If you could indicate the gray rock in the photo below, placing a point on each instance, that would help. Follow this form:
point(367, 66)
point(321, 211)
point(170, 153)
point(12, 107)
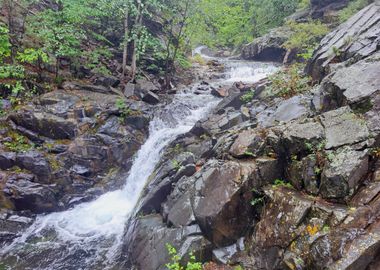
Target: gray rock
point(130, 90)
point(147, 238)
point(223, 193)
point(36, 163)
point(287, 110)
point(279, 221)
point(107, 81)
point(299, 135)
point(356, 39)
point(151, 98)
point(358, 81)
point(320, 9)
point(268, 47)
point(12, 226)
point(343, 172)
point(7, 160)
point(248, 143)
point(46, 124)
point(343, 127)
point(27, 195)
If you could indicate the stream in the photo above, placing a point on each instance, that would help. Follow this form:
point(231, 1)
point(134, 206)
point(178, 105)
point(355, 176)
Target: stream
point(90, 235)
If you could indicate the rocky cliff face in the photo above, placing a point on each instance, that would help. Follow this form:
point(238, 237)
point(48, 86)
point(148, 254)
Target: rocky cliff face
point(275, 183)
point(270, 47)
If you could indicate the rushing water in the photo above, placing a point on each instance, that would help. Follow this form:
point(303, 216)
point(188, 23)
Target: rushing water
point(90, 235)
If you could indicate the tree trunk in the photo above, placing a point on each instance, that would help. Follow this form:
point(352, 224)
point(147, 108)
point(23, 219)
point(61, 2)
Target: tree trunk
point(170, 69)
point(125, 49)
point(10, 9)
point(138, 23)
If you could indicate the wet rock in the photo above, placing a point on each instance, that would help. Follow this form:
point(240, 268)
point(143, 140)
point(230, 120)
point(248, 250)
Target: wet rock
point(148, 239)
point(298, 136)
point(357, 82)
point(281, 218)
point(46, 124)
point(139, 122)
point(130, 90)
point(361, 252)
point(162, 180)
point(221, 203)
point(12, 225)
point(181, 212)
point(248, 143)
point(36, 163)
point(27, 195)
point(268, 47)
point(356, 39)
point(107, 81)
point(343, 127)
point(219, 122)
point(287, 110)
point(225, 255)
point(144, 86)
point(7, 160)
point(151, 98)
point(343, 172)
point(220, 92)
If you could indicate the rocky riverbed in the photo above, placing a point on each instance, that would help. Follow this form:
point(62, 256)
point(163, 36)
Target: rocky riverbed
point(277, 183)
point(272, 183)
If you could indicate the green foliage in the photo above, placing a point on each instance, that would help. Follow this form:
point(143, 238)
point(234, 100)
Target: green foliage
point(248, 97)
point(59, 36)
point(231, 23)
point(32, 56)
point(5, 45)
point(183, 61)
point(95, 60)
point(304, 4)
point(11, 72)
point(305, 35)
point(176, 164)
point(123, 109)
point(281, 183)
point(352, 8)
point(257, 201)
point(175, 261)
point(18, 143)
point(289, 81)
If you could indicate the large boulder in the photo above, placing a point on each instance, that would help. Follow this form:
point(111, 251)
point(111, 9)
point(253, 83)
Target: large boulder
point(25, 194)
point(354, 40)
point(46, 124)
point(36, 163)
point(343, 172)
point(356, 85)
point(268, 47)
point(12, 226)
point(147, 238)
point(222, 200)
point(343, 127)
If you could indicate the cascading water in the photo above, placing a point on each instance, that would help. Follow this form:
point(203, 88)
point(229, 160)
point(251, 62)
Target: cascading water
point(90, 235)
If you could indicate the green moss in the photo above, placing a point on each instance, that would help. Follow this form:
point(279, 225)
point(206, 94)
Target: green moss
point(18, 143)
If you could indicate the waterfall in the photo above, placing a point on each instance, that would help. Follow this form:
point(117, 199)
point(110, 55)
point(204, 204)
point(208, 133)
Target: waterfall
point(89, 236)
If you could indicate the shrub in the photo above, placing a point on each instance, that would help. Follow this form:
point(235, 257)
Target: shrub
point(248, 97)
point(123, 109)
point(352, 9)
point(175, 261)
point(289, 82)
point(305, 36)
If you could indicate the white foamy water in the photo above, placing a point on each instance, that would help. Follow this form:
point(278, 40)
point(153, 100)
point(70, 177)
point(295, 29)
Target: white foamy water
point(248, 72)
point(90, 235)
